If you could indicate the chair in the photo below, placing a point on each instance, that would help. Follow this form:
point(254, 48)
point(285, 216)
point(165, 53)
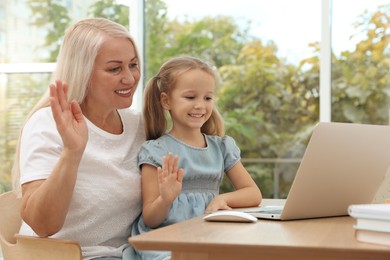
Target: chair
point(15, 246)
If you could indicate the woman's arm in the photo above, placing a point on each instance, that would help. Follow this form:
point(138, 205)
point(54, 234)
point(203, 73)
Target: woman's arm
point(160, 187)
point(45, 203)
point(246, 193)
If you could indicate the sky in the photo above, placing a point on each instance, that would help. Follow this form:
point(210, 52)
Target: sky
point(292, 25)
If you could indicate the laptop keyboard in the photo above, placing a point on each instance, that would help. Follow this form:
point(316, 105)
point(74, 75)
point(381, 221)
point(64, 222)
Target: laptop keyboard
point(271, 211)
point(267, 209)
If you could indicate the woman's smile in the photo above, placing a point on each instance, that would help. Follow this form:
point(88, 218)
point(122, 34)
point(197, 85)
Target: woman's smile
point(124, 92)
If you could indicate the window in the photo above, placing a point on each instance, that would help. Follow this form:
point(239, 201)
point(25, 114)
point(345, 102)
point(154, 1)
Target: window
point(360, 65)
point(268, 57)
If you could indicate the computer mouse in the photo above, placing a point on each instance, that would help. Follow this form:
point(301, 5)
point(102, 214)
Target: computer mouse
point(230, 216)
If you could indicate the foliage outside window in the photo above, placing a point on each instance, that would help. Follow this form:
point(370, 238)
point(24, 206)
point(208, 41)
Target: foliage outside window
point(270, 106)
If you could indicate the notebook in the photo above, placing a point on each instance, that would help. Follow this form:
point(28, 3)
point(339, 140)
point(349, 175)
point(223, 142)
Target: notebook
point(344, 164)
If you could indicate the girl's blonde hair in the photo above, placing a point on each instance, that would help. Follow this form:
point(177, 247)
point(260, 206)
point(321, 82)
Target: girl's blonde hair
point(75, 62)
point(155, 117)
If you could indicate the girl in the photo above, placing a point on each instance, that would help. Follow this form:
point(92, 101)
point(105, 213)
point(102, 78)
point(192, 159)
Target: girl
point(182, 168)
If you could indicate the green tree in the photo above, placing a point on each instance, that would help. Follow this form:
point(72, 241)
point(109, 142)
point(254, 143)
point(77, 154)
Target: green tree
point(26, 90)
point(266, 103)
point(361, 78)
point(276, 102)
point(54, 18)
point(156, 36)
point(217, 39)
point(111, 10)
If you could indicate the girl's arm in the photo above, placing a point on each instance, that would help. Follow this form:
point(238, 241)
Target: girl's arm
point(45, 203)
point(160, 187)
point(246, 193)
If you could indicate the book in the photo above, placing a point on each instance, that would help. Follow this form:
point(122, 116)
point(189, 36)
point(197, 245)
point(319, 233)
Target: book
point(373, 237)
point(373, 224)
point(370, 211)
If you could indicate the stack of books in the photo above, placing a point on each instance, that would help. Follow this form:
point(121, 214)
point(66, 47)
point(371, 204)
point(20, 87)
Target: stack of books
point(372, 223)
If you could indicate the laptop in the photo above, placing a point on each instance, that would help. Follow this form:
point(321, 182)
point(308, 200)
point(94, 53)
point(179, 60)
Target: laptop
point(343, 164)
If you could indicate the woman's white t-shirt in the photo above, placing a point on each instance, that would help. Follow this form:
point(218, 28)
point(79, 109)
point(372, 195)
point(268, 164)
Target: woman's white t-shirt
point(107, 196)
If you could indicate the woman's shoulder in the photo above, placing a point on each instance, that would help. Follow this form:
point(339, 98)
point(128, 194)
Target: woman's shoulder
point(41, 115)
point(42, 112)
point(41, 122)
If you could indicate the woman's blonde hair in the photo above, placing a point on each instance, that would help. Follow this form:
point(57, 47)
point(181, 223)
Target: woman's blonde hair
point(155, 117)
point(75, 63)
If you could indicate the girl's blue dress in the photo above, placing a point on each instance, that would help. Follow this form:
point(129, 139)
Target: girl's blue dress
point(204, 169)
